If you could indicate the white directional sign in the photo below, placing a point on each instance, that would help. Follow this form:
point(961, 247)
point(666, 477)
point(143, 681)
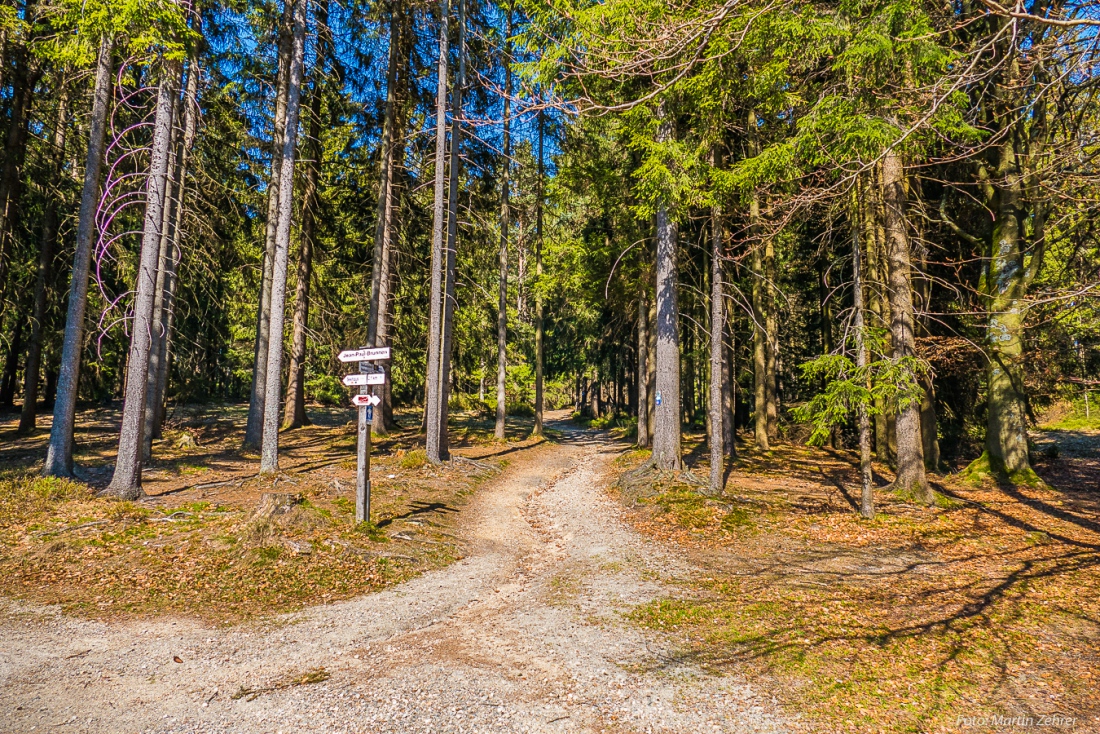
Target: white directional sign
point(368, 400)
point(374, 378)
point(364, 355)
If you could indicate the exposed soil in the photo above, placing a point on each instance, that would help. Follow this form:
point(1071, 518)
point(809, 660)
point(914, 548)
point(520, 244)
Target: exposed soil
point(528, 632)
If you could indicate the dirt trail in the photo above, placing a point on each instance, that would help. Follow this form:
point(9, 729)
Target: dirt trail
point(523, 635)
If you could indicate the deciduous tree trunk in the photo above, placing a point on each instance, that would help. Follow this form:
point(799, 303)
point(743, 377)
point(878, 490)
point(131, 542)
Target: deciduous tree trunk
point(433, 410)
point(126, 481)
point(50, 220)
point(269, 456)
point(59, 456)
point(910, 449)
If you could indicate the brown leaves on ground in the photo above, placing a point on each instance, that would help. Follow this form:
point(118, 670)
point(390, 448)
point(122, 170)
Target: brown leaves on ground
point(193, 547)
point(986, 604)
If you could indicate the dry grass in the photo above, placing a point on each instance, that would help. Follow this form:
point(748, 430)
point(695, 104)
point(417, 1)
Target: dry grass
point(986, 604)
point(193, 548)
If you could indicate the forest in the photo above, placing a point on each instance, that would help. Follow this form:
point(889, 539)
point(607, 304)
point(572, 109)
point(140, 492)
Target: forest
point(722, 232)
point(866, 223)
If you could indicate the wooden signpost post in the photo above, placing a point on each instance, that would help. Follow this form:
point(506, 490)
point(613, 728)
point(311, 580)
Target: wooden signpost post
point(370, 374)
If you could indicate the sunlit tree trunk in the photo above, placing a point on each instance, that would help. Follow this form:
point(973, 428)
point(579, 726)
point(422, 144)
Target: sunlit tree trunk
point(910, 449)
point(666, 423)
point(540, 336)
point(717, 349)
point(294, 413)
point(190, 118)
point(449, 302)
point(253, 432)
point(164, 258)
point(126, 481)
point(867, 502)
point(433, 409)
point(269, 456)
point(505, 221)
point(50, 221)
point(59, 456)
point(1006, 284)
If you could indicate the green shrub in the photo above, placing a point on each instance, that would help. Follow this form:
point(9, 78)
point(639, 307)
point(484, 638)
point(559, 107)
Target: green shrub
point(327, 390)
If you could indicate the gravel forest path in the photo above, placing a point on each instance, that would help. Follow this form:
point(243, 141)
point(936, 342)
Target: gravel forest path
point(525, 634)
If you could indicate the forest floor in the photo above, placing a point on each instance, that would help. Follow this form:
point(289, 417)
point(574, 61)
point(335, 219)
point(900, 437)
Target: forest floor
point(516, 594)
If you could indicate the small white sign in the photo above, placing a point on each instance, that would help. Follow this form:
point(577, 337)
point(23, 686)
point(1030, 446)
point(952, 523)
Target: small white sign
point(367, 400)
point(375, 378)
point(363, 355)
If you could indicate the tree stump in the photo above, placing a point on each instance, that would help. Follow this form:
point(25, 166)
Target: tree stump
point(275, 503)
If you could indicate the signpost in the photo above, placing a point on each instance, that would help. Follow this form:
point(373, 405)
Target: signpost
point(369, 375)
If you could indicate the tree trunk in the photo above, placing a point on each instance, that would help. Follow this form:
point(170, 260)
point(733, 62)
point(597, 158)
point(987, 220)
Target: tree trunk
point(643, 372)
point(867, 503)
point(910, 450)
point(11, 365)
point(126, 481)
point(164, 258)
point(717, 324)
point(294, 414)
point(1005, 289)
point(505, 221)
point(383, 211)
point(771, 328)
point(666, 428)
point(269, 456)
point(729, 390)
point(253, 432)
point(190, 116)
point(873, 285)
point(24, 80)
point(759, 332)
point(651, 370)
point(433, 410)
point(540, 336)
point(449, 303)
point(59, 457)
point(50, 221)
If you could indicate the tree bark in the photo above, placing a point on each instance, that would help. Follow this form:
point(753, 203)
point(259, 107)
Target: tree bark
point(253, 432)
point(867, 502)
point(1006, 284)
point(190, 119)
point(666, 419)
point(759, 333)
point(59, 456)
point(717, 324)
point(294, 414)
point(505, 221)
point(164, 258)
point(378, 325)
point(643, 371)
point(24, 80)
point(126, 481)
point(50, 222)
point(433, 410)
point(449, 302)
point(910, 450)
point(269, 455)
point(729, 390)
point(540, 336)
